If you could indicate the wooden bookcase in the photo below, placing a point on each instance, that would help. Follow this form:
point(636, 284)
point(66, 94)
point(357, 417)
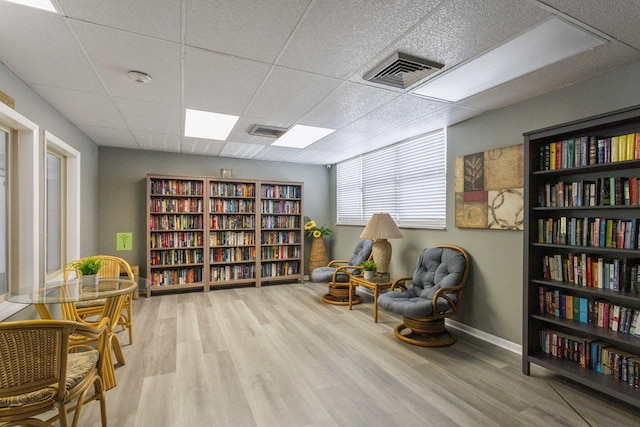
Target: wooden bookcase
point(281, 235)
point(175, 232)
point(232, 232)
point(575, 282)
point(208, 232)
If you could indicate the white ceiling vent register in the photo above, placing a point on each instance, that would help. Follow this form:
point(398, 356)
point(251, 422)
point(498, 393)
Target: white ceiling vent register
point(267, 131)
point(402, 70)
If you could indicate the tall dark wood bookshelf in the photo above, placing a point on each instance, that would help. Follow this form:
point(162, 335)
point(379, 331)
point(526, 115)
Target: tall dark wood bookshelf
point(209, 232)
point(566, 262)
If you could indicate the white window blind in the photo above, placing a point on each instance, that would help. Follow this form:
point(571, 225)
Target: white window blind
point(406, 180)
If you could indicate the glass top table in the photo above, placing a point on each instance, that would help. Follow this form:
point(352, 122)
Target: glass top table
point(74, 291)
point(113, 291)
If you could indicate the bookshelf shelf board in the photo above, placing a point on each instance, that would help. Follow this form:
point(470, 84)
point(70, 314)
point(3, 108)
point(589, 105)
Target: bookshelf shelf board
point(618, 389)
point(594, 249)
point(614, 296)
point(612, 337)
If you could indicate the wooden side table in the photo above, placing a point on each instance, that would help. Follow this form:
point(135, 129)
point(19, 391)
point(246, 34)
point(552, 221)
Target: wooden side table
point(377, 284)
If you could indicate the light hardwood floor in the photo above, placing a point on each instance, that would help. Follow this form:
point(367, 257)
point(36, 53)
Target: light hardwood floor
point(279, 356)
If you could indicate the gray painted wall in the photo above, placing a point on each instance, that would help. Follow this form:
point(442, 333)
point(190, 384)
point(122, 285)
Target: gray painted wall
point(33, 107)
point(122, 187)
point(493, 302)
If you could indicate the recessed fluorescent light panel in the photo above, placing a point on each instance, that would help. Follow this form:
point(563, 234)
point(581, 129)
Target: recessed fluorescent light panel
point(547, 43)
point(301, 136)
point(39, 4)
point(207, 125)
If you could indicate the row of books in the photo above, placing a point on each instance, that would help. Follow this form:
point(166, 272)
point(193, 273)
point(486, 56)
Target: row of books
point(618, 275)
point(280, 237)
point(177, 256)
point(281, 191)
point(608, 191)
point(593, 354)
point(595, 232)
point(588, 150)
point(218, 222)
point(232, 206)
point(276, 269)
point(232, 238)
point(177, 239)
point(173, 187)
point(232, 189)
point(176, 276)
point(175, 222)
point(233, 272)
point(282, 206)
point(270, 221)
point(164, 205)
point(596, 312)
point(280, 252)
point(238, 254)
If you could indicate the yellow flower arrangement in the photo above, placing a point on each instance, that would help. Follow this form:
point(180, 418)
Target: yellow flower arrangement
point(311, 229)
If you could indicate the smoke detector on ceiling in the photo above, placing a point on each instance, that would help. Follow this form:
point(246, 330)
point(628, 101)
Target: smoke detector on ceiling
point(267, 131)
point(139, 77)
point(402, 70)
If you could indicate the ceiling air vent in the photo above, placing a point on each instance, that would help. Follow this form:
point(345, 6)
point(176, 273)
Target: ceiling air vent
point(402, 70)
point(267, 131)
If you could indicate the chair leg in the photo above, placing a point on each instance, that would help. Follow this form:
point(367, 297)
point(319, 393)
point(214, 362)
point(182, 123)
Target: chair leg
point(424, 332)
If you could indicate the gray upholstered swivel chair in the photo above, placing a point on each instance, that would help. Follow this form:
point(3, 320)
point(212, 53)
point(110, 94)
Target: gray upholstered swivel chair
point(338, 273)
point(435, 294)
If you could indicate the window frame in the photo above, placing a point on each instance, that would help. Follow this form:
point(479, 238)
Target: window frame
point(25, 167)
point(361, 180)
point(70, 245)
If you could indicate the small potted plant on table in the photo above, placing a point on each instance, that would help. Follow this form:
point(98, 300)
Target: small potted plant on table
point(369, 268)
point(89, 268)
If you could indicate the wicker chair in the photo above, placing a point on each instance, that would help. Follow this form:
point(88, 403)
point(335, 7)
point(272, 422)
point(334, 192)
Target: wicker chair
point(111, 267)
point(38, 374)
point(436, 292)
point(337, 274)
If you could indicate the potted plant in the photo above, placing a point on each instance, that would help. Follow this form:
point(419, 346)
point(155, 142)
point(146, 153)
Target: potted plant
point(88, 268)
point(369, 268)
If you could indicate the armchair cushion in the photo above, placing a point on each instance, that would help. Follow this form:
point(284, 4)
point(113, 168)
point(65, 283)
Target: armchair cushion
point(436, 268)
point(360, 254)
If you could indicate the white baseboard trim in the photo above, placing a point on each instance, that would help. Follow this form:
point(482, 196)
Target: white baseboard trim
point(492, 339)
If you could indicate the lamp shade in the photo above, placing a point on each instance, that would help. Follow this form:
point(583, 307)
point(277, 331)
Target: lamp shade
point(381, 226)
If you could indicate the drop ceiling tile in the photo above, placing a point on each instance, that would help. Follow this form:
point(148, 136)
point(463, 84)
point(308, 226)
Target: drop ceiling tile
point(275, 154)
point(160, 18)
point(403, 109)
point(613, 17)
point(157, 142)
point(59, 64)
point(150, 117)
point(201, 146)
point(345, 105)
point(256, 30)
point(110, 137)
point(336, 37)
point(220, 83)
point(240, 150)
point(339, 141)
point(83, 108)
point(287, 94)
point(114, 53)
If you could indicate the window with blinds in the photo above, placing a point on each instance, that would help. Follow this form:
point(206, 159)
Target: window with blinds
point(406, 180)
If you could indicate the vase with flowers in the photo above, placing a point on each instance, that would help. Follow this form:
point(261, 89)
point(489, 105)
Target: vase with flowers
point(318, 255)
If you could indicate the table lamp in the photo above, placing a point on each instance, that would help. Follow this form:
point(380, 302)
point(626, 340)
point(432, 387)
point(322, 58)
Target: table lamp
point(380, 228)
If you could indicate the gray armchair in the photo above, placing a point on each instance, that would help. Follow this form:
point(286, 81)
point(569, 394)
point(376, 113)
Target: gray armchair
point(435, 294)
point(338, 273)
